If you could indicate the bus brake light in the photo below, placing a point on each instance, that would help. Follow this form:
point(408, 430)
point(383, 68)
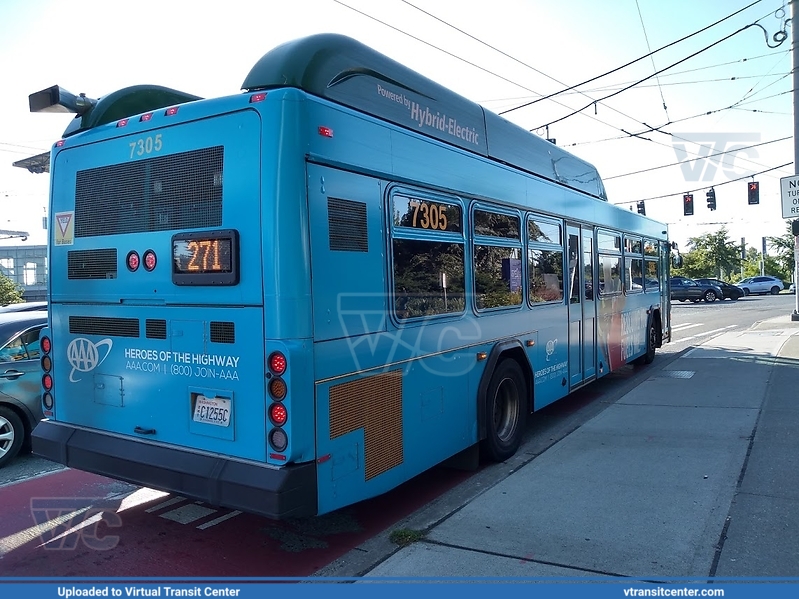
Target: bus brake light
point(277, 413)
point(45, 345)
point(277, 363)
point(47, 382)
point(133, 261)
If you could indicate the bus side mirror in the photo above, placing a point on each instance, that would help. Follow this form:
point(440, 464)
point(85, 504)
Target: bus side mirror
point(676, 261)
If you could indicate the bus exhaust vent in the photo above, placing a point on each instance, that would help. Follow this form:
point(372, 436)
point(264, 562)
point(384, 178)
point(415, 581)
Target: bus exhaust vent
point(223, 332)
point(155, 328)
point(177, 191)
point(347, 225)
point(100, 325)
point(92, 264)
point(373, 404)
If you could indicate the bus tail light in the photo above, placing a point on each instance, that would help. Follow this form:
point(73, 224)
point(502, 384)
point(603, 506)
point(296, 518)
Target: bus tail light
point(277, 363)
point(278, 414)
point(149, 260)
point(133, 261)
point(47, 363)
point(47, 400)
point(47, 382)
point(45, 345)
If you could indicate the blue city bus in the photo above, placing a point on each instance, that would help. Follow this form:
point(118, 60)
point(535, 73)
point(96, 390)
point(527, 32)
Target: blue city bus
point(295, 298)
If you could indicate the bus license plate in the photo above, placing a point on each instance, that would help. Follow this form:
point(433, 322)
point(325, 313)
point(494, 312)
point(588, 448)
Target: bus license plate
point(212, 410)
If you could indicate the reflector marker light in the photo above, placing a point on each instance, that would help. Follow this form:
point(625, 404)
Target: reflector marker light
point(171, 111)
point(122, 122)
point(325, 132)
point(59, 143)
point(146, 117)
point(257, 98)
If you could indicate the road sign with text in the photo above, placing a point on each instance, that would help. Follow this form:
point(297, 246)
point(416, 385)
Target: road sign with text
point(789, 192)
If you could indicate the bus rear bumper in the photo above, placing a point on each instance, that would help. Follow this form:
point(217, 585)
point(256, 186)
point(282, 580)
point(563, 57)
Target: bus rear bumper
point(277, 493)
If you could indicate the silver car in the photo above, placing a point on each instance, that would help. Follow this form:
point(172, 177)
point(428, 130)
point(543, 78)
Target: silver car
point(20, 380)
point(764, 284)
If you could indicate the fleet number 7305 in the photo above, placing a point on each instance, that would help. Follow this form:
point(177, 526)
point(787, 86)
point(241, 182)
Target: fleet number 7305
point(146, 145)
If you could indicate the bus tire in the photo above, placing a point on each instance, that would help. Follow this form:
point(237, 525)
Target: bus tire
point(651, 344)
point(506, 410)
point(12, 434)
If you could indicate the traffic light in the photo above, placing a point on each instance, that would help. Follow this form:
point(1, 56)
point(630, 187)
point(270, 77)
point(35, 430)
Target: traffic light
point(754, 192)
point(795, 227)
point(688, 204)
point(711, 199)
point(641, 207)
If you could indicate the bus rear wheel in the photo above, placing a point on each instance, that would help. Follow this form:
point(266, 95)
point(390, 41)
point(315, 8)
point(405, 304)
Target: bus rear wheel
point(506, 411)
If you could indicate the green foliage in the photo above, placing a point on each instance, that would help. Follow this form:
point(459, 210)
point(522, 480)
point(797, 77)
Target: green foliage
point(10, 293)
point(784, 247)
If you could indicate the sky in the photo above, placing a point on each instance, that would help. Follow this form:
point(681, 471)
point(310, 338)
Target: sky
point(725, 94)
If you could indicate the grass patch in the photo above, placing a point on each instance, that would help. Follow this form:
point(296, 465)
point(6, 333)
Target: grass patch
point(405, 536)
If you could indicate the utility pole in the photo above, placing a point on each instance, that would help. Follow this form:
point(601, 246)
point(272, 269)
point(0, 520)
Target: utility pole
point(795, 60)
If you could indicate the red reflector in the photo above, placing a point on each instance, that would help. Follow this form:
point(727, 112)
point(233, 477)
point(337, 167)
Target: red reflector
point(257, 98)
point(45, 345)
point(277, 412)
point(133, 261)
point(149, 260)
point(47, 382)
point(171, 111)
point(277, 363)
point(59, 143)
point(146, 117)
point(277, 456)
point(122, 123)
point(325, 132)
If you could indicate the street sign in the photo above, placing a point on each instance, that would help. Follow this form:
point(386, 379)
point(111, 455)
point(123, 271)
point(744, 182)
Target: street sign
point(789, 192)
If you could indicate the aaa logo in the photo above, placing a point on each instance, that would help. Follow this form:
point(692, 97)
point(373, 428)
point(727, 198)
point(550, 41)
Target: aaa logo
point(85, 356)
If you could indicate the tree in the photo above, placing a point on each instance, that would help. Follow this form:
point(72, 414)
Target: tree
point(711, 255)
point(10, 293)
point(784, 247)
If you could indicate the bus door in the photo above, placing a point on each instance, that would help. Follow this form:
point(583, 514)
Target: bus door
point(665, 293)
point(582, 306)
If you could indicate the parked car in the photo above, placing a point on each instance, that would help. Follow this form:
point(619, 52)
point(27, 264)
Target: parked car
point(684, 289)
point(23, 307)
point(730, 291)
point(792, 288)
point(20, 380)
point(765, 284)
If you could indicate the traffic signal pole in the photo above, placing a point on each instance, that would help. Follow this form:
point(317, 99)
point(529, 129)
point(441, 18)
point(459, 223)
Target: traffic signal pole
point(795, 57)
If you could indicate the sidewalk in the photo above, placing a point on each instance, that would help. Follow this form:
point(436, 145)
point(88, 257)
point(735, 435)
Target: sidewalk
point(691, 474)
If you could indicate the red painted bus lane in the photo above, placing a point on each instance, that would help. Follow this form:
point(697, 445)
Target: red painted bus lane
point(70, 523)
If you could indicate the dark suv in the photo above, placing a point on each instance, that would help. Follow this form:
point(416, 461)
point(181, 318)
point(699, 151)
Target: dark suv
point(730, 291)
point(687, 289)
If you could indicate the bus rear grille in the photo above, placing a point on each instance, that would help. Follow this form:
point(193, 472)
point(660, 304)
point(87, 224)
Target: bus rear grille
point(346, 221)
point(155, 328)
point(177, 191)
point(223, 332)
point(374, 404)
point(92, 264)
point(100, 325)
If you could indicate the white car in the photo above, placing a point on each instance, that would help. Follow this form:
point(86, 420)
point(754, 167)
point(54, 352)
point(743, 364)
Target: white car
point(764, 284)
point(792, 288)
